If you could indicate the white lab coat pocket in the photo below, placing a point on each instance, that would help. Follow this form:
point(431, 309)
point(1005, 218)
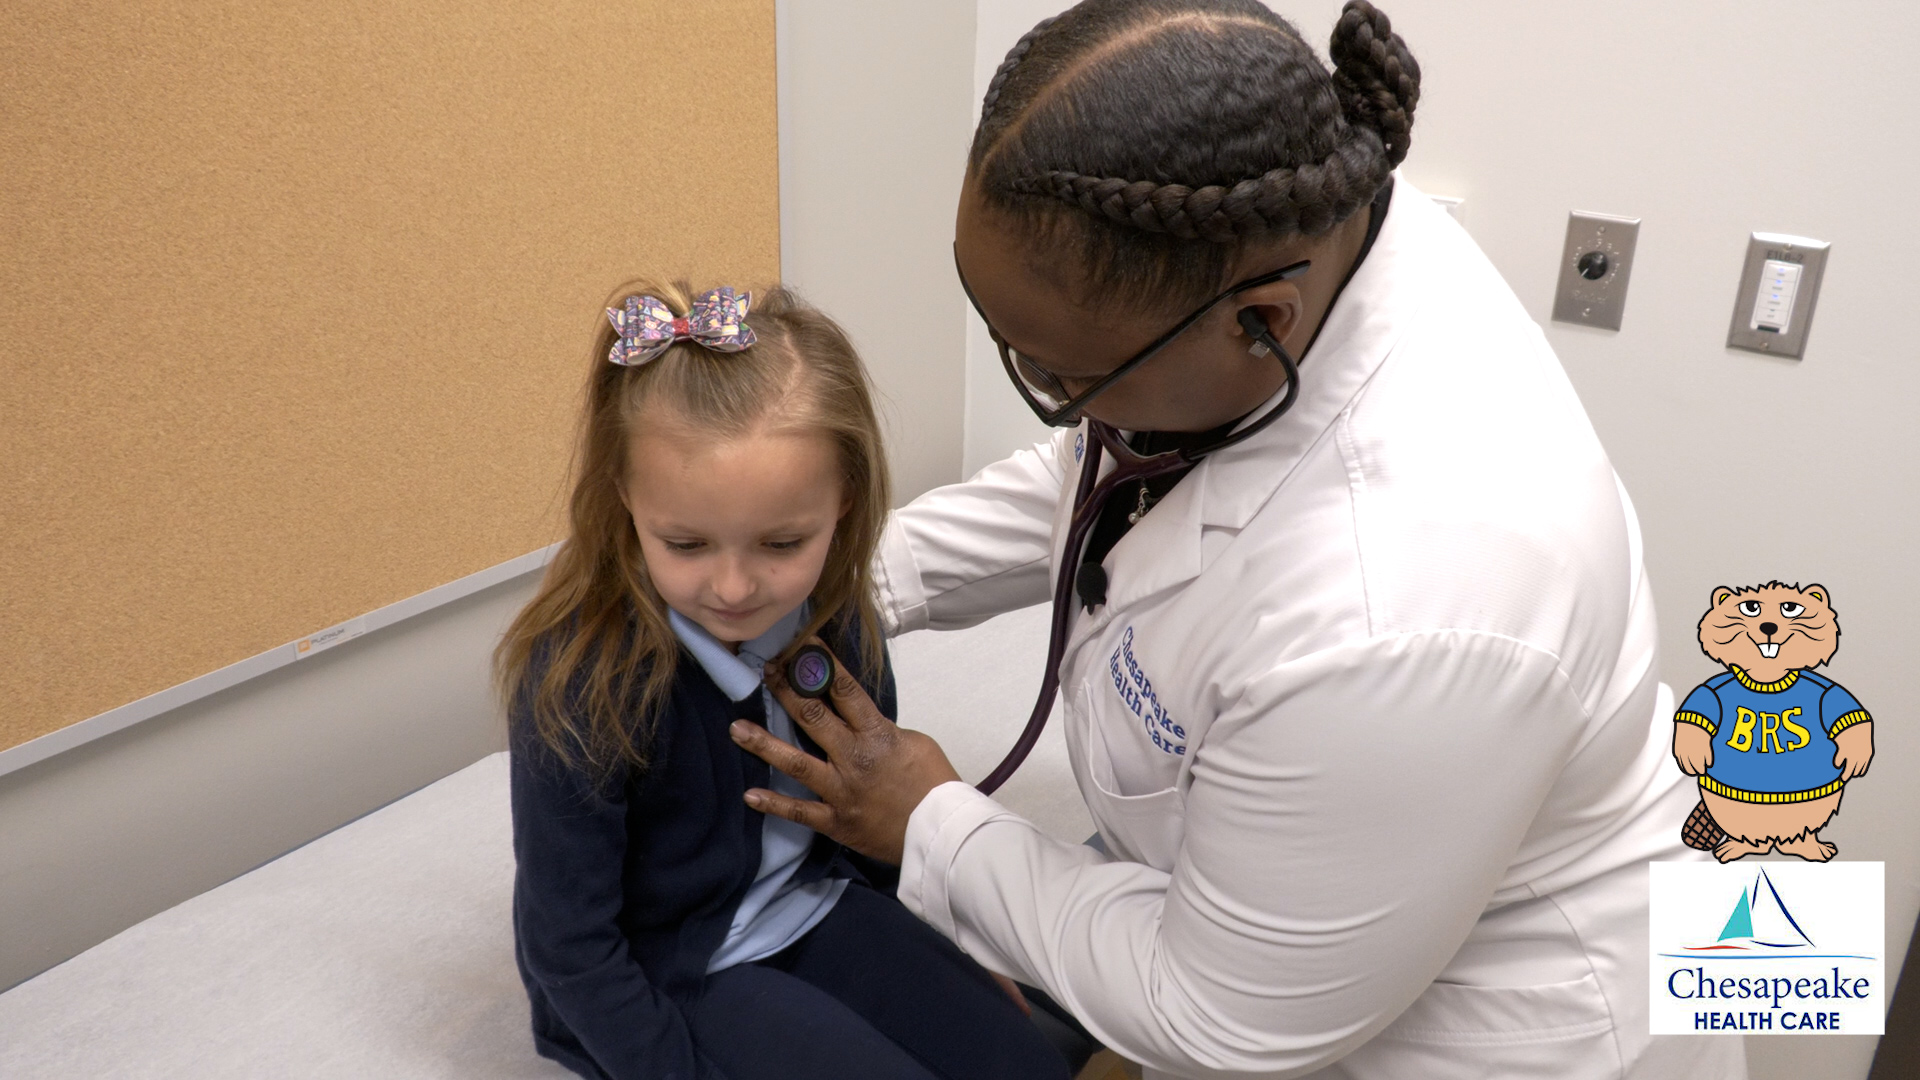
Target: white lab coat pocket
point(1144, 828)
point(1563, 1030)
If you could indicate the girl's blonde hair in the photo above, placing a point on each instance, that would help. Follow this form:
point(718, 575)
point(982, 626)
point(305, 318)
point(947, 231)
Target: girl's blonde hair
point(590, 659)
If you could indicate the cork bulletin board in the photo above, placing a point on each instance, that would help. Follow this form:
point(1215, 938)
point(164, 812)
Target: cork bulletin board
point(296, 300)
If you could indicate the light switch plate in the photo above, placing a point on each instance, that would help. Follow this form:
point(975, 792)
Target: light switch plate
point(1595, 264)
point(1776, 321)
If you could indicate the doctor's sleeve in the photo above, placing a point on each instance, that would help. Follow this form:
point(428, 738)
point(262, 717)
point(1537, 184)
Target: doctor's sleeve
point(1350, 815)
point(963, 553)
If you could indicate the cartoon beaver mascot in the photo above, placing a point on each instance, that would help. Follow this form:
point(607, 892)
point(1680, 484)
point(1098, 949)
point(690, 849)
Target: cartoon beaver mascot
point(1772, 742)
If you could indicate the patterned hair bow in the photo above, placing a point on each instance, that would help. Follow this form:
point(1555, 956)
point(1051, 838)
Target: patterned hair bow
point(717, 321)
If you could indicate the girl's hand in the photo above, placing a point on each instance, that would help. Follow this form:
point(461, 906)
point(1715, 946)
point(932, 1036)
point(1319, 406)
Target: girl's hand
point(874, 775)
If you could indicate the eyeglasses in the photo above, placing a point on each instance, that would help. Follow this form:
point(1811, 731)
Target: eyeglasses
point(1044, 392)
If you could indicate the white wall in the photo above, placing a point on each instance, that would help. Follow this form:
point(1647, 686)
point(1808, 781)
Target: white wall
point(873, 141)
point(998, 421)
point(1708, 120)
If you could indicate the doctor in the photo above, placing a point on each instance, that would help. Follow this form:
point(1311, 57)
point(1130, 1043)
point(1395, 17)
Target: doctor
point(1364, 704)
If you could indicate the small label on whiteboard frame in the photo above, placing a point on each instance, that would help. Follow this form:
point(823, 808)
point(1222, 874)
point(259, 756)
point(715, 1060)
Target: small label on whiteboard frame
point(331, 636)
point(1778, 288)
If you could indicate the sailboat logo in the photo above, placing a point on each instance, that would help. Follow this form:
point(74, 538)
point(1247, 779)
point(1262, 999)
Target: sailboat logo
point(1760, 921)
point(1760, 926)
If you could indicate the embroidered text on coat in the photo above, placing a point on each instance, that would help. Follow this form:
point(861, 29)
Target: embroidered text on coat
point(1136, 692)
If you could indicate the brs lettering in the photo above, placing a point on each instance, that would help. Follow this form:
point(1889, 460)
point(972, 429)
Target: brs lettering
point(1769, 725)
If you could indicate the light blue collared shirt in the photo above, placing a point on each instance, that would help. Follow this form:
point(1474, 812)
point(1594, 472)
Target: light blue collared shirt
point(775, 912)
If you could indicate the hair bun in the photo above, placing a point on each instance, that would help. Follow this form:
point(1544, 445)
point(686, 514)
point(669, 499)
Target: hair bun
point(1377, 79)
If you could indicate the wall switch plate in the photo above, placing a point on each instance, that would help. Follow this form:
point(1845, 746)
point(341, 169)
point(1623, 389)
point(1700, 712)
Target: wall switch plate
point(1778, 287)
point(1594, 267)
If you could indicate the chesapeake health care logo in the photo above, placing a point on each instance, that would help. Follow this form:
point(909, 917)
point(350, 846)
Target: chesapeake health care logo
point(1780, 948)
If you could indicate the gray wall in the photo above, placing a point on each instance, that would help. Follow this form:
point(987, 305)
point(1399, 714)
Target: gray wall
point(1708, 120)
point(874, 125)
point(100, 837)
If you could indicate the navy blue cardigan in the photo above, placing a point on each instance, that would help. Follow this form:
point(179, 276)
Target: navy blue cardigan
point(623, 892)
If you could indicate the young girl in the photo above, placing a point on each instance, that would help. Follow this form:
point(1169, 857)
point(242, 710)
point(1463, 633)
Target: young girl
point(730, 493)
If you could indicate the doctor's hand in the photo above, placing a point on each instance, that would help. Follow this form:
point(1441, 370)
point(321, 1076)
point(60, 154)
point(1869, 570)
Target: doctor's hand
point(874, 775)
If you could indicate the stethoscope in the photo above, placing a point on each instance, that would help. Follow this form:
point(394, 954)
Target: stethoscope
point(1090, 498)
point(810, 670)
point(812, 667)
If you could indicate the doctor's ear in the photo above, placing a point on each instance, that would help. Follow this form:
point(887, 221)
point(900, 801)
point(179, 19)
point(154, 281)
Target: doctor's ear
point(1266, 320)
point(1255, 327)
point(1276, 305)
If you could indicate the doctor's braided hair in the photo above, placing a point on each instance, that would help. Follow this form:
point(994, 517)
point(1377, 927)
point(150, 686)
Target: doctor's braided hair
point(1157, 139)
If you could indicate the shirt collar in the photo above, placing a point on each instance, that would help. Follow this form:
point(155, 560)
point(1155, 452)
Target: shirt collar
point(737, 676)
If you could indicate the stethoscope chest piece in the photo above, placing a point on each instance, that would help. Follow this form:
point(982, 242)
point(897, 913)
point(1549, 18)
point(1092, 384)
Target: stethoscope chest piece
point(810, 672)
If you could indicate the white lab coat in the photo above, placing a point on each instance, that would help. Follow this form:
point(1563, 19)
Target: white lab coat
point(1369, 723)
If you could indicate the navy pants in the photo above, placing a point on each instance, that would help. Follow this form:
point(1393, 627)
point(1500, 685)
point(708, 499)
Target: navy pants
point(874, 993)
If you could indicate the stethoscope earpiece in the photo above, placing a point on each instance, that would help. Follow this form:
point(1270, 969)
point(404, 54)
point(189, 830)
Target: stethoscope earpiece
point(1256, 328)
point(810, 672)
